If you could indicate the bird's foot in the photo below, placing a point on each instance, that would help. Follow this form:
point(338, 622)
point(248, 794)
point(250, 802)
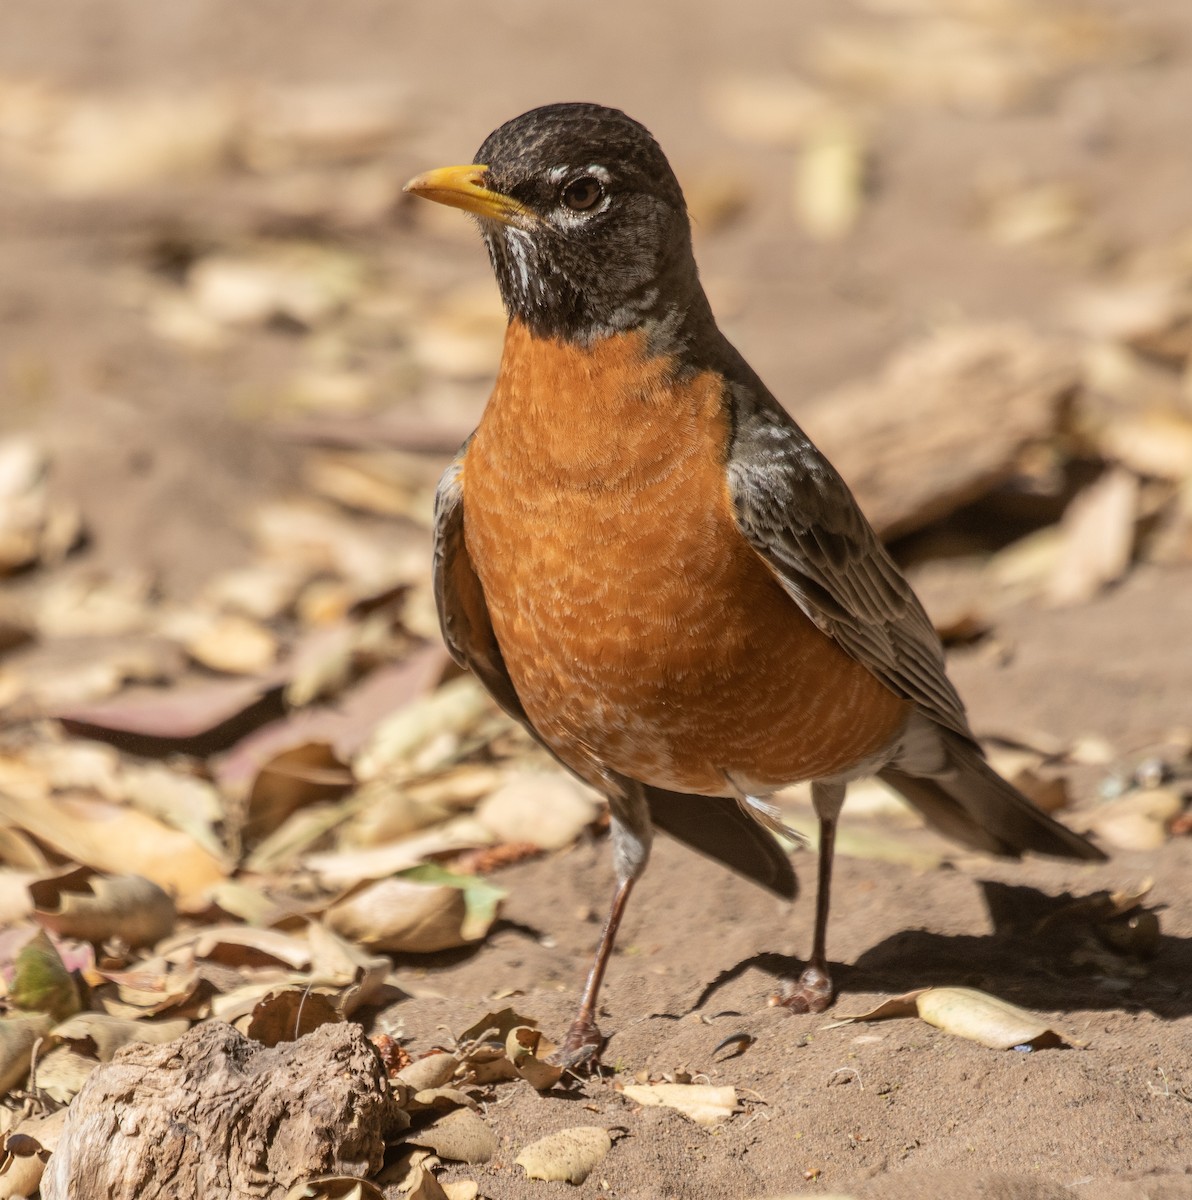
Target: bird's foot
point(812, 992)
point(581, 1048)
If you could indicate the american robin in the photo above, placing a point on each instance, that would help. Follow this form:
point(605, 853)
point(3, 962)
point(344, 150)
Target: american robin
point(652, 568)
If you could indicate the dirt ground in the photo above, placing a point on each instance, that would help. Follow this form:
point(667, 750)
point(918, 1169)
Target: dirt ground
point(166, 446)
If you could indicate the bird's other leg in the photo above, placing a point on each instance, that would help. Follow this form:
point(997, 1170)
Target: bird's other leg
point(632, 834)
point(813, 991)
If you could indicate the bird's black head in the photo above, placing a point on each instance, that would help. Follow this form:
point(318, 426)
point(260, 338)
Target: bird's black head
point(583, 219)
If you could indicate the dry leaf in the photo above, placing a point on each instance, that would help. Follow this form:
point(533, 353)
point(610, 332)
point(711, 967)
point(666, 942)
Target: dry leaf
point(451, 711)
point(151, 988)
point(460, 1136)
point(95, 907)
point(549, 811)
point(405, 915)
point(346, 868)
point(24, 1153)
point(289, 1013)
point(569, 1155)
point(968, 1013)
point(529, 1053)
point(238, 946)
point(18, 1036)
point(233, 644)
point(335, 1187)
point(110, 837)
point(699, 1102)
point(302, 775)
point(101, 1035)
point(61, 1073)
point(177, 713)
point(41, 982)
point(432, 1071)
point(1098, 538)
point(461, 1189)
point(830, 177)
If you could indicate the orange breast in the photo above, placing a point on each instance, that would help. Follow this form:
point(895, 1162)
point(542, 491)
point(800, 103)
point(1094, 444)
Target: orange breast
point(641, 631)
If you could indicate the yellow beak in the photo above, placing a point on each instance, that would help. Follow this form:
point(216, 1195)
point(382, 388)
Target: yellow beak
point(463, 187)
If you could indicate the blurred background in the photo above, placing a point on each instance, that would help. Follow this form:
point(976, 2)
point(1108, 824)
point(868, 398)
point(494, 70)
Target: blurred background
point(953, 236)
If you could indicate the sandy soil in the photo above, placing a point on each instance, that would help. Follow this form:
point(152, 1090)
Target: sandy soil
point(154, 444)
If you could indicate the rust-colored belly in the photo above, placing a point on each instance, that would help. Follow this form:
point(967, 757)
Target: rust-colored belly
point(641, 631)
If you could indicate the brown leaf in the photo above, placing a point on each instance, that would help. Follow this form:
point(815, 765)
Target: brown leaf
point(335, 1187)
point(968, 1013)
point(460, 1136)
point(699, 1102)
point(569, 1154)
point(1098, 538)
point(61, 1073)
point(430, 1071)
point(289, 1013)
point(239, 945)
point(549, 810)
point(101, 1035)
point(297, 777)
point(82, 904)
point(18, 1036)
point(112, 838)
point(176, 714)
point(398, 915)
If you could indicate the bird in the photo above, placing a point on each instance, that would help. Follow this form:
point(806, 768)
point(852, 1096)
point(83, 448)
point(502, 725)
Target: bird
point(650, 566)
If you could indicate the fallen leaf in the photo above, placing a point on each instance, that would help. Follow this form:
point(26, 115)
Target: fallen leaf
point(1098, 538)
point(569, 1155)
point(911, 453)
point(175, 714)
point(403, 916)
point(233, 644)
point(451, 711)
point(529, 1053)
point(699, 1102)
point(111, 837)
point(95, 907)
point(238, 946)
point(62, 1072)
point(968, 1013)
point(548, 810)
point(482, 899)
point(300, 776)
point(335, 1187)
point(461, 1189)
point(830, 177)
point(41, 982)
point(101, 1035)
point(18, 1036)
point(431, 1071)
point(287, 1014)
point(460, 1136)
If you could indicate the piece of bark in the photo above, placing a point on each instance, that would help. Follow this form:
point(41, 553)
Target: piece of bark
point(944, 422)
point(219, 1116)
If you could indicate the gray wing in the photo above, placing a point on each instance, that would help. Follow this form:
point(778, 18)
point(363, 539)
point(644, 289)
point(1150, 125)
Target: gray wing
point(800, 516)
point(713, 825)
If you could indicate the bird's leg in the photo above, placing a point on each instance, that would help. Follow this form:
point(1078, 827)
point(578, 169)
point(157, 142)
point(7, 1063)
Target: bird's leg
point(632, 834)
point(813, 991)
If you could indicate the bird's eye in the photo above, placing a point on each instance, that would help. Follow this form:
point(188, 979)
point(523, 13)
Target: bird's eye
point(583, 193)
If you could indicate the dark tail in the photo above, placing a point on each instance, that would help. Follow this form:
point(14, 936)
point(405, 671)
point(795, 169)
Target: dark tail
point(716, 826)
point(971, 803)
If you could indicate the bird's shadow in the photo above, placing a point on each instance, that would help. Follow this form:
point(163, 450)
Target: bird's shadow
point(1051, 953)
